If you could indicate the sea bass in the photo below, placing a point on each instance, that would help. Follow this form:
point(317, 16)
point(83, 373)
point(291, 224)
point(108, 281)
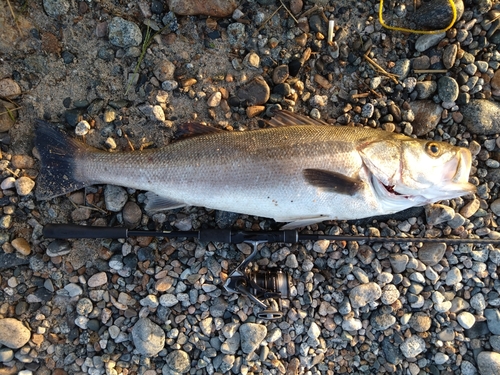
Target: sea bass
point(300, 171)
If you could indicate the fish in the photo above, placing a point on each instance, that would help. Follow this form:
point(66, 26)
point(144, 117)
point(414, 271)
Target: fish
point(298, 170)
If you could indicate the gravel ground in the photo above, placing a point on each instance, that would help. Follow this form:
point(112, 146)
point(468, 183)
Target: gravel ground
point(123, 75)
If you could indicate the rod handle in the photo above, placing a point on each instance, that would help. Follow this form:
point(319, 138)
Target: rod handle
point(82, 231)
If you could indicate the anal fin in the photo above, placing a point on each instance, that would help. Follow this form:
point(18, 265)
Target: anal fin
point(157, 203)
point(333, 181)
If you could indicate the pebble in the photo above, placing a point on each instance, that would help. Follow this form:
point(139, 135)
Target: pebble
point(6, 355)
point(466, 319)
point(97, 280)
point(448, 89)
point(398, 262)
point(425, 89)
point(132, 215)
point(488, 363)
point(164, 70)
point(438, 213)
point(237, 35)
point(177, 362)
point(426, 41)
point(454, 276)
point(481, 116)
point(9, 88)
point(383, 321)
point(148, 337)
point(22, 246)
point(13, 333)
point(168, 300)
point(470, 208)
point(420, 322)
point(252, 61)
point(437, 15)
point(214, 99)
point(256, 92)
point(24, 186)
point(82, 128)
point(364, 294)
point(56, 8)
point(115, 198)
point(251, 335)
point(431, 253)
point(280, 74)
point(123, 33)
point(493, 320)
point(412, 346)
point(427, 115)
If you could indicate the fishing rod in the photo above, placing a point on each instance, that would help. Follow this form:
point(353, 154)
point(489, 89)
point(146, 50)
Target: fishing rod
point(66, 231)
point(265, 288)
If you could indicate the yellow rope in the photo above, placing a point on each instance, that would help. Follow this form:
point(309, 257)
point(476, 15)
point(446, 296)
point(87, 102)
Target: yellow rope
point(453, 19)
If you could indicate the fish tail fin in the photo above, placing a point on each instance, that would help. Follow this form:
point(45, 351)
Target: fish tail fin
point(58, 153)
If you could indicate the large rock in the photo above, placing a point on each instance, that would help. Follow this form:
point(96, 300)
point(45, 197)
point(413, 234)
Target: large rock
point(488, 363)
point(13, 334)
point(481, 116)
point(148, 337)
point(213, 8)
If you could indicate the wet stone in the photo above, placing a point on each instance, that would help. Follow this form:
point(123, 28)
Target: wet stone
point(448, 89)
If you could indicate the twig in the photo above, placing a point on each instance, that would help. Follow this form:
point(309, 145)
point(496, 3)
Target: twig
point(128, 140)
point(266, 21)
point(361, 95)
point(431, 71)
point(393, 77)
point(290, 13)
point(311, 10)
point(14, 17)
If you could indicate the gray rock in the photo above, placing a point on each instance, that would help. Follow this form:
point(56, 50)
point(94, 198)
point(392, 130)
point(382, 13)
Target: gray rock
point(426, 41)
point(402, 68)
point(132, 215)
point(493, 320)
point(178, 362)
point(164, 70)
point(84, 306)
point(382, 322)
point(495, 343)
point(56, 8)
point(148, 337)
point(412, 346)
point(115, 198)
point(488, 363)
point(437, 15)
point(123, 33)
point(13, 333)
point(448, 89)
point(218, 307)
point(438, 213)
point(425, 89)
point(427, 114)
point(466, 319)
point(364, 294)
point(237, 35)
point(450, 55)
point(251, 335)
point(6, 355)
point(481, 116)
point(454, 276)
point(431, 253)
point(468, 368)
point(398, 262)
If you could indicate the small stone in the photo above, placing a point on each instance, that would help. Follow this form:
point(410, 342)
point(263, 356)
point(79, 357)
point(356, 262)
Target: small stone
point(364, 294)
point(425, 89)
point(256, 92)
point(252, 61)
point(148, 337)
point(164, 70)
point(251, 335)
point(24, 185)
point(352, 324)
point(255, 110)
point(367, 110)
point(237, 35)
point(123, 33)
point(420, 322)
point(13, 334)
point(168, 300)
point(431, 253)
point(9, 88)
point(382, 322)
point(314, 331)
point(115, 198)
point(488, 363)
point(22, 246)
point(424, 42)
point(412, 346)
point(481, 116)
point(10, 183)
point(493, 320)
point(82, 128)
point(84, 307)
point(448, 89)
point(132, 215)
point(427, 116)
point(398, 262)
point(214, 99)
point(454, 276)
point(56, 8)
point(6, 355)
point(470, 208)
point(441, 358)
point(280, 74)
point(495, 207)
point(466, 319)
point(177, 362)
point(97, 280)
point(438, 213)
point(450, 55)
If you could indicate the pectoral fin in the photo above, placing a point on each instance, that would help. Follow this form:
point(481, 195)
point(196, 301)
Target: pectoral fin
point(157, 203)
point(333, 181)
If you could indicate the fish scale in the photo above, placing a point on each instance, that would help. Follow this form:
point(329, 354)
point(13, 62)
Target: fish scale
point(304, 172)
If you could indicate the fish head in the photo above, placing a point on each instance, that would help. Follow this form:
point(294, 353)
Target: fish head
point(418, 171)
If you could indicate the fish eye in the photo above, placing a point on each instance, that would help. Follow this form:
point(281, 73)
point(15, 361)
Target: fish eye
point(433, 149)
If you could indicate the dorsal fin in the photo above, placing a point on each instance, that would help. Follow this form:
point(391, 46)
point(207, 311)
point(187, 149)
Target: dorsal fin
point(193, 129)
point(287, 118)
